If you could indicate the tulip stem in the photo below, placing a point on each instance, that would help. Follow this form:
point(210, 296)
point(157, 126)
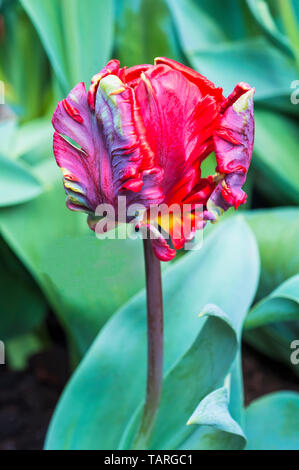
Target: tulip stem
point(154, 346)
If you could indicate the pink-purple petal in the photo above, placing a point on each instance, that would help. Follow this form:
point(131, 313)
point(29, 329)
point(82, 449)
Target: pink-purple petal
point(77, 146)
point(131, 159)
point(233, 141)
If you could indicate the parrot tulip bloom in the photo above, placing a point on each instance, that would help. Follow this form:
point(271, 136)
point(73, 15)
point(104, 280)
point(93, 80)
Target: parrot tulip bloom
point(143, 133)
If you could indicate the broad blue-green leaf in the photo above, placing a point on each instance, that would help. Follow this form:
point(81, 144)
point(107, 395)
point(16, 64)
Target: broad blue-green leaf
point(33, 141)
point(202, 23)
point(77, 36)
point(85, 279)
point(88, 36)
point(224, 271)
point(22, 306)
point(265, 327)
point(290, 24)
point(199, 371)
point(17, 184)
point(46, 17)
point(216, 45)
point(7, 130)
point(144, 30)
point(263, 67)
point(24, 65)
point(281, 305)
point(276, 154)
point(263, 15)
point(276, 231)
point(272, 422)
point(196, 28)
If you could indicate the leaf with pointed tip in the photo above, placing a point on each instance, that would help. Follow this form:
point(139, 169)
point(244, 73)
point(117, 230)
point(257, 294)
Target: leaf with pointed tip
point(115, 364)
point(262, 14)
point(195, 374)
point(265, 68)
point(276, 231)
point(281, 305)
point(213, 411)
point(216, 43)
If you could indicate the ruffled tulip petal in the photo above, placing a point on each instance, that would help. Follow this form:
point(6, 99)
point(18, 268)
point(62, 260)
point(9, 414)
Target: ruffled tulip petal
point(183, 229)
point(162, 250)
point(104, 154)
point(111, 68)
point(206, 86)
point(131, 76)
point(131, 163)
point(201, 192)
point(181, 119)
point(233, 148)
point(160, 246)
point(77, 146)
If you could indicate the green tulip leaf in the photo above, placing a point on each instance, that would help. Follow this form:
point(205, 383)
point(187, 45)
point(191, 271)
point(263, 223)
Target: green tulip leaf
point(17, 184)
point(281, 305)
point(33, 141)
point(8, 124)
point(276, 231)
point(115, 365)
point(18, 350)
point(189, 381)
point(84, 279)
point(24, 66)
point(216, 44)
point(272, 422)
point(265, 68)
point(276, 142)
point(213, 411)
point(22, 306)
point(144, 30)
point(263, 15)
point(76, 37)
point(196, 28)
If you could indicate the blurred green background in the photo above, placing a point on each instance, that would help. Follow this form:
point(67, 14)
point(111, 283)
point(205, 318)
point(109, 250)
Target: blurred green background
point(49, 260)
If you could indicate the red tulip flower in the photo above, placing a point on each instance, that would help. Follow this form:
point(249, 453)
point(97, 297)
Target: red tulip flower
point(143, 133)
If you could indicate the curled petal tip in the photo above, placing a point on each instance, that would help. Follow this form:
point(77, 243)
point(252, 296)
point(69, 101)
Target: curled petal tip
point(242, 103)
point(233, 142)
point(160, 246)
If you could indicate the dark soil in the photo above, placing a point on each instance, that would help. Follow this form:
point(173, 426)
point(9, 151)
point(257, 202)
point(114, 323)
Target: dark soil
point(28, 398)
point(262, 375)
